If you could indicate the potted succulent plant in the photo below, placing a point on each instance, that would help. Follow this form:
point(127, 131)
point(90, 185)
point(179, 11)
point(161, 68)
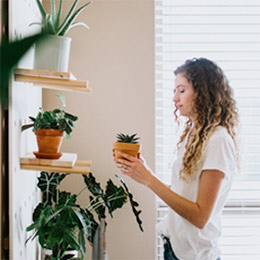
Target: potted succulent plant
point(49, 128)
point(53, 53)
point(127, 144)
point(62, 226)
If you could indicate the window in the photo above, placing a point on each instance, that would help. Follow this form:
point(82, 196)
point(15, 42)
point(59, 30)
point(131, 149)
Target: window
point(228, 32)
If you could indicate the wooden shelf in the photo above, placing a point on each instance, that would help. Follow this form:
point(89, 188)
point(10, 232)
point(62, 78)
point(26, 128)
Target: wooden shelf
point(51, 79)
point(66, 164)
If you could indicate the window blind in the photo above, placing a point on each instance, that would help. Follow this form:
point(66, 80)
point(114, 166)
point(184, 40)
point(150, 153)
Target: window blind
point(227, 32)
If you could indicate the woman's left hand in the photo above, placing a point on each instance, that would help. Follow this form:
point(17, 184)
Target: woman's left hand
point(134, 167)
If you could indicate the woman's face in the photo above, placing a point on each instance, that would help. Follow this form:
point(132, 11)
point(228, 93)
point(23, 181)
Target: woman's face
point(184, 96)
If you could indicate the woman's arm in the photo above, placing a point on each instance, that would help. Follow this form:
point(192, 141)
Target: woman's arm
point(197, 212)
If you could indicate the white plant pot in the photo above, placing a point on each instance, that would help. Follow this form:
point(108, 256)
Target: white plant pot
point(52, 53)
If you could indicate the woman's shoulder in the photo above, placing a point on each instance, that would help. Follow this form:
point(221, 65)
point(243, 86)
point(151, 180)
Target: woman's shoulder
point(220, 131)
point(221, 135)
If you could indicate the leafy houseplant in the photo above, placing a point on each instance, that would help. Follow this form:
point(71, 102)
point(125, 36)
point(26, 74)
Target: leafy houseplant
point(58, 46)
point(127, 144)
point(49, 128)
point(61, 225)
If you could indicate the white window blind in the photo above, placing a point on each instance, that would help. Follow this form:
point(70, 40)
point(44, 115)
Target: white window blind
point(227, 32)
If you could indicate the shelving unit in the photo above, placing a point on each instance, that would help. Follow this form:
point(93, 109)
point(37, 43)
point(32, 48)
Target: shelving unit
point(59, 81)
point(51, 79)
point(68, 163)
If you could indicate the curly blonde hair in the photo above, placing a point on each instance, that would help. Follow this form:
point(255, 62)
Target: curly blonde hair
point(214, 106)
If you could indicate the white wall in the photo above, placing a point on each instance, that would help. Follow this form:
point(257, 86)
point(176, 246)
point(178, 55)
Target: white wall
point(25, 99)
point(117, 57)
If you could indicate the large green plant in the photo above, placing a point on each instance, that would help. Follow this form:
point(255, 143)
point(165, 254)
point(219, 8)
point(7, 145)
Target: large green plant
point(60, 224)
point(51, 22)
point(55, 119)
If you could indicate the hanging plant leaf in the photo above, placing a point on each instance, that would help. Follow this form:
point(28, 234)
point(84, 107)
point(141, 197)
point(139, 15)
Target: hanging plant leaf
point(93, 186)
point(134, 204)
point(116, 197)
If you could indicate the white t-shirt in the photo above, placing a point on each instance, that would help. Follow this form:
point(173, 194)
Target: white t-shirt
point(188, 241)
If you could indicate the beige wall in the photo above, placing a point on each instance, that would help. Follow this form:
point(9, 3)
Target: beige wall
point(117, 57)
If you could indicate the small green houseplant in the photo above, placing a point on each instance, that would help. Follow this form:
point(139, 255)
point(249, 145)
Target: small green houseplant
point(49, 128)
point(61, 225)
point(127, 144)
point(53, 54)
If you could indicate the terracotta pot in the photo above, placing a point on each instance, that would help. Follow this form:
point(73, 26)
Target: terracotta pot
point(49, 140)
point(131, 149)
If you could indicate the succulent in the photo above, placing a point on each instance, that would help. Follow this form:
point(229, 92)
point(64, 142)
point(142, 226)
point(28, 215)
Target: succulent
point(51, 22)
point(133, 139)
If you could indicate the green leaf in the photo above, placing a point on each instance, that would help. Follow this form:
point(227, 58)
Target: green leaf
point(134, 204)
point(47, 117)
point(79, 24)
point(70, 123)
point(53, 13)
point(98, 207)
point(58, 16)
point(62, 98)
point(127, 138)
point(71, 117)
point(37, 211)
point(93, 186)
point(56, 111)
point(35, 24)
point(66, 19)
point(71, 239)
point(32, 226)
point(24, 127)
point(82, 242)
point(42, 11)
point(116, 197)
point(70, 19)
point(66, 257)
point(81, 232)
point(92, 225)
point(48, 184)
point(48, 25)
point(10, 54)
point(65, 198)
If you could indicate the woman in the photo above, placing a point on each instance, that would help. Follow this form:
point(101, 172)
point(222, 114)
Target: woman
point(206, 159)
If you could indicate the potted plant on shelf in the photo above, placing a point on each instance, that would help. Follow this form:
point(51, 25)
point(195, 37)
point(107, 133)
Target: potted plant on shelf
point(49, 128)
point(127, 144)
point(53, 53)
point(62, 226)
